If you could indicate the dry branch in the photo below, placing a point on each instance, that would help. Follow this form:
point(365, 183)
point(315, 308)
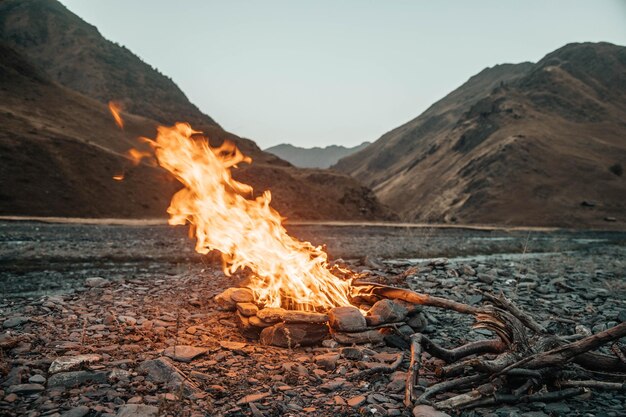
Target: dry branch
point(527, 357)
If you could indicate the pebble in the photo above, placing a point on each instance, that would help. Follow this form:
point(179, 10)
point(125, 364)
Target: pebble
point(71, 363)
point(72, 379)
point(163, 371)
point(183, 353)
point(327, 361)
point(557, 408)
point(428, 411)
point(96, 282)
point(232, 345)
point(79, 411)
point(138, 410)
point(333, 385)
point(131, 321)
point(37, 379)
point(352, 353)
point(15, 322)
point(253, 398)
point(25, 389)
point(486, 279)
point(356, 401)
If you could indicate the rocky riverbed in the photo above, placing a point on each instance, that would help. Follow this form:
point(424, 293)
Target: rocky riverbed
point(118, 320)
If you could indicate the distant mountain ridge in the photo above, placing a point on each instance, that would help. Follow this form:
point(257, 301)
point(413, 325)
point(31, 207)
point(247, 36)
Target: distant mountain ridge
point(316, 157)
point(517, 144)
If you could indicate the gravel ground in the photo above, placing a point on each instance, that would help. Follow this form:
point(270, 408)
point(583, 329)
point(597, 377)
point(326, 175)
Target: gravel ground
point(156, 293)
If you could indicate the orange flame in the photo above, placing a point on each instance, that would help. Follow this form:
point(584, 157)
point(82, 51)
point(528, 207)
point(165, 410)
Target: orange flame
point(248, 232)
point(115, 110)
point(118, 177)
point(136, 155)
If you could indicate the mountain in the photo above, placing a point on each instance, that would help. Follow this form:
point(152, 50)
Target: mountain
point(313, 157)
point(539, 144)
point(74, 54)
point(59, 146)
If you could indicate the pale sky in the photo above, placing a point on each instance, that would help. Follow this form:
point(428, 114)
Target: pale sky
point(316, 73)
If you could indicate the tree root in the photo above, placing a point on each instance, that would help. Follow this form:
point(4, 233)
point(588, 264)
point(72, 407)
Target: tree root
point(523, 359)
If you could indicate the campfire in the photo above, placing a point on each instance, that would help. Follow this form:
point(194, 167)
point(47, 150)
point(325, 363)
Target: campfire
point(294, 296)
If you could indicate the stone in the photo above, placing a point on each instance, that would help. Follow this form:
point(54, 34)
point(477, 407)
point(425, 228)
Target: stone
point(467, 270)
point(327, 361)
point(385, 311)
point(232, 345)
point(72, 363)
point(357, 401)
point(368, 336)
point(271, 314)
point(15, 322)
point(428, 411)
point(131, 321)
point(163, 371)
point(397, 382)
point(79, 411)
point(137, 410)
point(304, 317)
point(37, 379)
point(76, 378)
point(352, 353)
point(418, 322)
point(96, 282)
point(11, 397)
point(559, 409)
point(16, 376)
point(486, 278)
point(474, 299)
point(621, 316)
point(346, 319)
point(25, 389)
point(253, 398)
point(330, 343)
point(224, 300)
point(247, 309)
point(242, 295)
point(333, 385)
point(184, 353)
point(257, 322)
point(294, 334)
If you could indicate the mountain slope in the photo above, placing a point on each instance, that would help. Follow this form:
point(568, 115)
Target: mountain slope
point(59, 147)
point(313, 157)
point(59, 151)
point(521, 144)
point(73, 53)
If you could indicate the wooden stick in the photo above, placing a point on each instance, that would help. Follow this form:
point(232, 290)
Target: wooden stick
point(565, 353)
point(379, 368)
point(505, 303)
point(592, 383)
point(384, 291)
point(472, 348)
point(449, 385)
point(414, 369)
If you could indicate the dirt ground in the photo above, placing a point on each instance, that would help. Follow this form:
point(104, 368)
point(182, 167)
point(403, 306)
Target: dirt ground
point(157, 293)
